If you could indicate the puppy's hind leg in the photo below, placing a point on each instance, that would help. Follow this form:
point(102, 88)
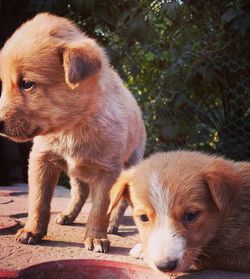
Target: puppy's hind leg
point(116, 217)
point(79, 194)
point(118, 212)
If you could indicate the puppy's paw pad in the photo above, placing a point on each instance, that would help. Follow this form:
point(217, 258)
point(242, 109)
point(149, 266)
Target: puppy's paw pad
point(112, 229)
point(27, 237)
point(137, 251)
point(97, 245)
point(62, 219)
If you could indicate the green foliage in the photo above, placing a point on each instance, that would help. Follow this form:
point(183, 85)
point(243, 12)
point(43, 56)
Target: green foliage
point(188, 65)
point(186, 62)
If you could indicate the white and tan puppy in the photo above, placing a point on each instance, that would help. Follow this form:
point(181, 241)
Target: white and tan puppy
point(191, 209)
point(58, 89)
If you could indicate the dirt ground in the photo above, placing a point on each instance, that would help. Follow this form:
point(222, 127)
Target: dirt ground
point(64, 242)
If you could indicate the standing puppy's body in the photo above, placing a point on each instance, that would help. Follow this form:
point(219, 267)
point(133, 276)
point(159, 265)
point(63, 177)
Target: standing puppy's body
point(59, 89)
point(191, 209)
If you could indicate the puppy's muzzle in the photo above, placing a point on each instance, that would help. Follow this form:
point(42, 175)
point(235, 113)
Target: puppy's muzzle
point(167, 266)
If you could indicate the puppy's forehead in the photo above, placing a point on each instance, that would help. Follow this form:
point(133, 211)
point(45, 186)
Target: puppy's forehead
point(34, 63)
point(33, 50)
point(173, 176)
point(39, 36)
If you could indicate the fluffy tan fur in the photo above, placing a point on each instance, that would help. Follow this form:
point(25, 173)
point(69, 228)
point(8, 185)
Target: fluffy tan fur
point(215, 189)
point(59, 89)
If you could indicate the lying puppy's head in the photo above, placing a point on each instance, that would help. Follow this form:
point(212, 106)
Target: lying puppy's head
point(178, 201)
point(48, 71)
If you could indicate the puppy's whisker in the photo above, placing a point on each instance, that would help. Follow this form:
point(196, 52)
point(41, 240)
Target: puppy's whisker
point(200, 252)
point(204, 254)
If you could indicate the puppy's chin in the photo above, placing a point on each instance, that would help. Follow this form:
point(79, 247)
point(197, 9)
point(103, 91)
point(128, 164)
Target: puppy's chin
point(20, 139)
point(180, 269)
point(23, 137)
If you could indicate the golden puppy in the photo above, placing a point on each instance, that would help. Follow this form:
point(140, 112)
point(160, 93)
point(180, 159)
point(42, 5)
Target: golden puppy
point(59, 89)
point(191, 209)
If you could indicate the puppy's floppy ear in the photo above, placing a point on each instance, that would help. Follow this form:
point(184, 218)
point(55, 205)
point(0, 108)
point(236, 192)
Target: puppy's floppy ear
point(223, 181)
point(81, 59)
point(120, 189)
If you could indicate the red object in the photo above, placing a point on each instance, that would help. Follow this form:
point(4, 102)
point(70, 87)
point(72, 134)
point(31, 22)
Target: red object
point(83, 269)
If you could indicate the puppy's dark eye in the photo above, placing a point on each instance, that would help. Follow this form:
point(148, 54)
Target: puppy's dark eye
point(144, 218)
point(0, 88)
point(26, 84)
point(190, 216)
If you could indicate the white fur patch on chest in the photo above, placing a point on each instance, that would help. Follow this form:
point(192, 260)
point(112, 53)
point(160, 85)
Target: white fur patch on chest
point(71, 162)
point(73, 166)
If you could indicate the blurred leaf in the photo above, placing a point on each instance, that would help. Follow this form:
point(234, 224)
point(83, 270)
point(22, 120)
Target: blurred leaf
point(170, 133)
point(230, 15)
point(76, 5)
point(171, 9)
point(149, 56)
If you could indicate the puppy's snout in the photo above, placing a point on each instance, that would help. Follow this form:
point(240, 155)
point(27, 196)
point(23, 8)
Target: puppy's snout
point(1, 126)
point(167, 266)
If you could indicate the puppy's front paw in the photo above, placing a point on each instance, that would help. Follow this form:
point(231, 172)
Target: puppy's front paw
point(64, 219)
point(137, 251)
point(97, 245)
point(27, 237)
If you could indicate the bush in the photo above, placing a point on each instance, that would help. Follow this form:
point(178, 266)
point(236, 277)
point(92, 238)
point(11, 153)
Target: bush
point(186, 62)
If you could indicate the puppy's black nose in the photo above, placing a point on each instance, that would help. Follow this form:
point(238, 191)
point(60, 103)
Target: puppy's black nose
point(167, 266)
point(1, 126)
